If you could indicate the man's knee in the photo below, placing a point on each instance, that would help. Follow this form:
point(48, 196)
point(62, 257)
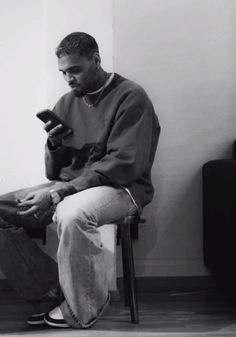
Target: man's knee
point(67, 215)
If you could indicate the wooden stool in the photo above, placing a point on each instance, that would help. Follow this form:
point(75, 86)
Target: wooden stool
point(127, 229)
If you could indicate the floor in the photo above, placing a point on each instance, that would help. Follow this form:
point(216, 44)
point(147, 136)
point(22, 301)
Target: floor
point(167, 313)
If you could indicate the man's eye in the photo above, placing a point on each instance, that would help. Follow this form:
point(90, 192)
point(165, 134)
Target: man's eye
point(75, 70)
point(72, 71)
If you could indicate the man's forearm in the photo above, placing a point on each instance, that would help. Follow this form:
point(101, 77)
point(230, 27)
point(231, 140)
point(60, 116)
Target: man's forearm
point(63, 189)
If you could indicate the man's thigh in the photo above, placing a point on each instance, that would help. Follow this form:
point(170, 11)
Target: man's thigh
point(101, 205)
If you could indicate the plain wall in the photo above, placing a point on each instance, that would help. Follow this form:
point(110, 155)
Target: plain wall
point(22, 94)
point(183, 52)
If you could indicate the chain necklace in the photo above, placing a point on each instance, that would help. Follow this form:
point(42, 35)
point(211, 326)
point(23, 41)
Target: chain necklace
point(91, 105)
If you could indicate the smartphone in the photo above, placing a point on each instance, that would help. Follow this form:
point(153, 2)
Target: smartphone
point(47, 115)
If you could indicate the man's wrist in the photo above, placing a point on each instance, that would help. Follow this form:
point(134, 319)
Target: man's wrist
point(55, 197)
point(64, 189)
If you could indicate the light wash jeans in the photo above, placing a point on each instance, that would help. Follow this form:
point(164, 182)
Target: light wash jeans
point(81, 269)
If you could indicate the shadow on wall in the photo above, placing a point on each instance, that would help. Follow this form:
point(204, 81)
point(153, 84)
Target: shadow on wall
point(173, 233)
point(171, 241)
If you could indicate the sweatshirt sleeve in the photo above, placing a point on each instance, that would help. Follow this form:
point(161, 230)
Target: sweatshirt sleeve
point(54, 161)
point(129, 149)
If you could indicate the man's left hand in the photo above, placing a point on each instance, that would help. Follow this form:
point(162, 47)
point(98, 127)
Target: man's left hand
point(35, 203)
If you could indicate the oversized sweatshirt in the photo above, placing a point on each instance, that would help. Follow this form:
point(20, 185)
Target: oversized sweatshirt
point(113, 143)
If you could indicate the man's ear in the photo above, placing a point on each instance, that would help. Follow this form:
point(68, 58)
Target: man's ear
point(97, 59)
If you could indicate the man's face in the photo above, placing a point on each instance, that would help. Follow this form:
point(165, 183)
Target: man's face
point(79, 72)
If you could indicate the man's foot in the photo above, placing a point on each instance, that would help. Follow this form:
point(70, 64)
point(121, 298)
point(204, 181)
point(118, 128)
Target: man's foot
point(36, 319)
point(54, 318)
point(49, 301)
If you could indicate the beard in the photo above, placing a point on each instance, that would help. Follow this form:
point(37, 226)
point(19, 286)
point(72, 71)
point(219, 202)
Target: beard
point(78, 92)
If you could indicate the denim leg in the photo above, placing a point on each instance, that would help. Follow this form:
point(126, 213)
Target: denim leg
point(82, 273)
point(30, 271)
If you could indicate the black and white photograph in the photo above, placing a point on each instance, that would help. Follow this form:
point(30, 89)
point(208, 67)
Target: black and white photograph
point(118, 168)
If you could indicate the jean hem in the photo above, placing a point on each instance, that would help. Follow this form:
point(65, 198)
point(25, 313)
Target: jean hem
point(74, 321)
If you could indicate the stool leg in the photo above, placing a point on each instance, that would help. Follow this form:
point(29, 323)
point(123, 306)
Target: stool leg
point(125, 268)
point(128, 255)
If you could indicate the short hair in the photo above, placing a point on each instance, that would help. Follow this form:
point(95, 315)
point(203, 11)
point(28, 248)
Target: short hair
point(77, 43)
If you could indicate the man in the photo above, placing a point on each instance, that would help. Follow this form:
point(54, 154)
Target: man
point(99, 174)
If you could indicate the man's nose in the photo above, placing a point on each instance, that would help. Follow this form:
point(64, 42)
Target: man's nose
point(69, 77)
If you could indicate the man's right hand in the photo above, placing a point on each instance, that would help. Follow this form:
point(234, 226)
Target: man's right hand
point(55, 136)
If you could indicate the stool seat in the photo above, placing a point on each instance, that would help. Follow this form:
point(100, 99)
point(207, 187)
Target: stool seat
point(128, 220)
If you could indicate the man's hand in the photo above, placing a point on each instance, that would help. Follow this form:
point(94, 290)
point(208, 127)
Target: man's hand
point(55, 136)
point(35, 203)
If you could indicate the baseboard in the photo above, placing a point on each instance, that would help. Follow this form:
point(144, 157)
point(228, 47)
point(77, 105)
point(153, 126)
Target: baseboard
point(154, 284)
point(178, 283)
